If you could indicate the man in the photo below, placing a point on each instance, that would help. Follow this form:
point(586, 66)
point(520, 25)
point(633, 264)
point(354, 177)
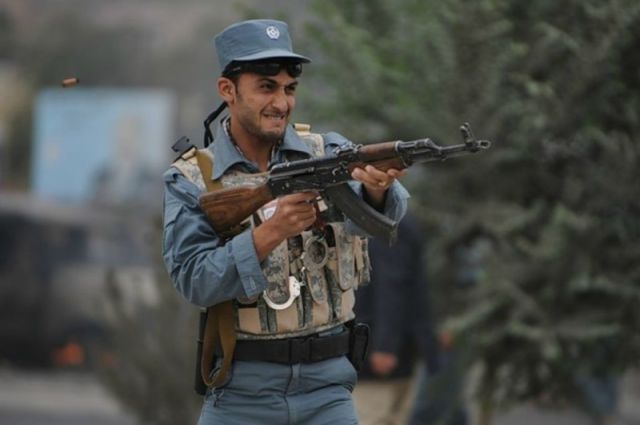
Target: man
point(290, 308)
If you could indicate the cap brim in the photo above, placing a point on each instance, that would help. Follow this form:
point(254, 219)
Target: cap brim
point(273, 54)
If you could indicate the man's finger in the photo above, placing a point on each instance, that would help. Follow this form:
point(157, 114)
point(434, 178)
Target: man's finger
point(363, 176)
point(375, 173)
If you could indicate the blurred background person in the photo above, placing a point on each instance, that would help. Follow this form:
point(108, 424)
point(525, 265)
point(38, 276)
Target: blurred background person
point(397, 308)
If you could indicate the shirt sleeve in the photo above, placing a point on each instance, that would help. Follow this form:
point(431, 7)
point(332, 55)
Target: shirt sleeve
point(395, 206)
point(203, 269)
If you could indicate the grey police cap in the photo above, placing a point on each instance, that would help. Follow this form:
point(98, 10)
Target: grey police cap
point(253, 40)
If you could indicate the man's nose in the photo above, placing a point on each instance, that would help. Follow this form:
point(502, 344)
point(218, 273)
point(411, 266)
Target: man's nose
point(279, 100)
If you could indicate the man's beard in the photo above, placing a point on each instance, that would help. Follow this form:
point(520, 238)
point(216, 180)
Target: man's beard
point(270, 137)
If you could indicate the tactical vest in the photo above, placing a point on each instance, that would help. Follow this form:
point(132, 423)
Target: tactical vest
point(311, 277)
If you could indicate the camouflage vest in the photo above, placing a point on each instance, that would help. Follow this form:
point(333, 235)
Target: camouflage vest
point(311, 277)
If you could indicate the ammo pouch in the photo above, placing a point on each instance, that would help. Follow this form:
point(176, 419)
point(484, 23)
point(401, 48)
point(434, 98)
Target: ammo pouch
point(358, 343)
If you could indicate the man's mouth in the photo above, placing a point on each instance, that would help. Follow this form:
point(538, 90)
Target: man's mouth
point(275, 117)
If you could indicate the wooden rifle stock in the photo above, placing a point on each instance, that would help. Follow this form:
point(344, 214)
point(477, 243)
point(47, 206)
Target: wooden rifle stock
point(227, 208)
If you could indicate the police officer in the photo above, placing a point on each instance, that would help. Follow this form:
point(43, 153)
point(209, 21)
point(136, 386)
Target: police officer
point(290, 275)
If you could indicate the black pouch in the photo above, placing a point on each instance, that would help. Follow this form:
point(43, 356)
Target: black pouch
point(199, 385)
point(358, 344)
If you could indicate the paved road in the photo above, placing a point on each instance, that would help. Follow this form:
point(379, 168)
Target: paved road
point(56, 398)
point(370, 400)
point(628, 412)
point(67, 398)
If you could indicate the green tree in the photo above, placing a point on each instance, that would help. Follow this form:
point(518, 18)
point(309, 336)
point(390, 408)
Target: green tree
point(546, 223)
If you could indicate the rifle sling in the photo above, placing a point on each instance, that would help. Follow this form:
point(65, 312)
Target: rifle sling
point(220, 326)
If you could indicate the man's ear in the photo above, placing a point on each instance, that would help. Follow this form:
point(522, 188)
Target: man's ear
point(227, 90)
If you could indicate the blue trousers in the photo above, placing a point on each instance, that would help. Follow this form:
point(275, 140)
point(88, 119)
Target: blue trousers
point(260, 393)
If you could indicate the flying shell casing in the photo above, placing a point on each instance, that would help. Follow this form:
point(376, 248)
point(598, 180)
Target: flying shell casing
point(69, 82)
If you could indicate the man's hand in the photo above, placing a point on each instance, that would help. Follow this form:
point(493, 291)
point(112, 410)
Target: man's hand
point(293, 214)
point(382, 364)
point(376, 182)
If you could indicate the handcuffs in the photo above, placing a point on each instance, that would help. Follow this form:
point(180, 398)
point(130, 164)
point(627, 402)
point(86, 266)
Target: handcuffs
point(314, 256)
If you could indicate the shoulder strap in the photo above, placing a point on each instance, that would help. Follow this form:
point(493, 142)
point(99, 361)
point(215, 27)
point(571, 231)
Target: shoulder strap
point(219, 327)
point(205, 163)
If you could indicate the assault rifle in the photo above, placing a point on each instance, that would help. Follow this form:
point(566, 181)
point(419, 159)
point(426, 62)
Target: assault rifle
point(227, 208)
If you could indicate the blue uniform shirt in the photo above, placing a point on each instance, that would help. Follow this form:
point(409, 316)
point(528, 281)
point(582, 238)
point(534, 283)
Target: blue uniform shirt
point(206, 273)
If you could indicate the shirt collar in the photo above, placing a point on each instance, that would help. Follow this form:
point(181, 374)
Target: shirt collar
point(226, 154)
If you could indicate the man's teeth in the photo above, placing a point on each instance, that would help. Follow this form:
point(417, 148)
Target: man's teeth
point(275, 117)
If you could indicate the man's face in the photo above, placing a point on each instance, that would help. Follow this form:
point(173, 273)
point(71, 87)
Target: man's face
point(263, 104)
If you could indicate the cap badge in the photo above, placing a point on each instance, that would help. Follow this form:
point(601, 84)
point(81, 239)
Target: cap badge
point(273, 32)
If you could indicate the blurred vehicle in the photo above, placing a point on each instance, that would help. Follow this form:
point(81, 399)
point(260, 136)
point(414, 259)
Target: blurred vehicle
point(81, 238)
point(60, 266)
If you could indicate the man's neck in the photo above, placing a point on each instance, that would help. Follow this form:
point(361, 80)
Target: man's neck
point(254, 149)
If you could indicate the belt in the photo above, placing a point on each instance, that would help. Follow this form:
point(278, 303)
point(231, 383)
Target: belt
point(293, 350)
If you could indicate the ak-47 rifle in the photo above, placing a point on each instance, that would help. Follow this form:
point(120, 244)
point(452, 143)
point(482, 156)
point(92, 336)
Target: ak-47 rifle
point(227, 208)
